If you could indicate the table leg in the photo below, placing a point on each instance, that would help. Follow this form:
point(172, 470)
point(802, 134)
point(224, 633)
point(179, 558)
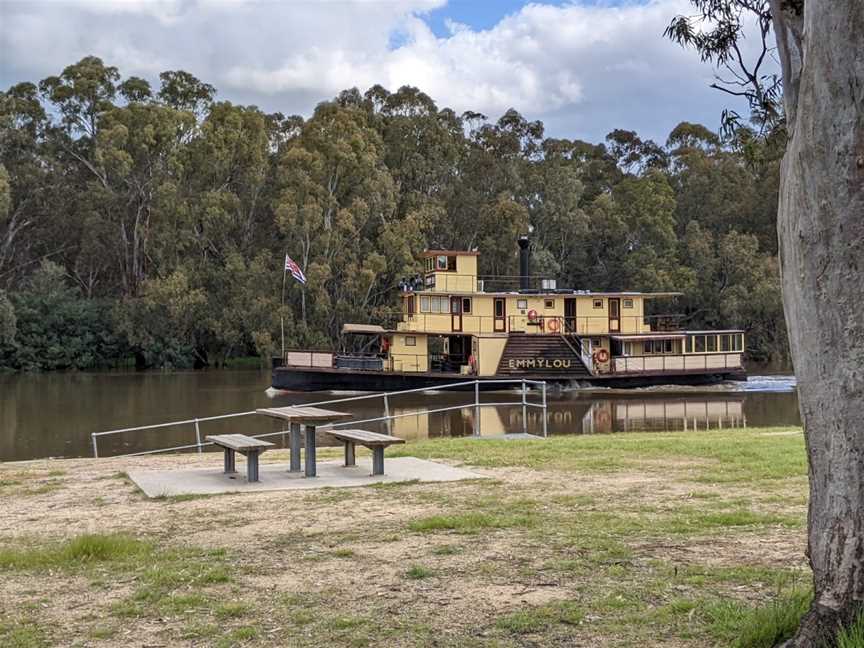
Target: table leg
point(378, 460)
point(229, 461)
point(349, 454)
point(252, 466)
point(295, 447)
point(310, 451)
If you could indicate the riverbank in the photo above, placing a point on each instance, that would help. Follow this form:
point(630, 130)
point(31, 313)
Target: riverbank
point(651, 539)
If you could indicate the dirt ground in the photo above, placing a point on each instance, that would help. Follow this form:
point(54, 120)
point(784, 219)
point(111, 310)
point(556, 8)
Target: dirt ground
point(545, 565)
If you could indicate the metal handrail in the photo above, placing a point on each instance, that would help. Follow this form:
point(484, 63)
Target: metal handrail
point(387, 418)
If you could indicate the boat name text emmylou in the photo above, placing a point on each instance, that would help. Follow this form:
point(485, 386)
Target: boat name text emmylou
point(538, 363)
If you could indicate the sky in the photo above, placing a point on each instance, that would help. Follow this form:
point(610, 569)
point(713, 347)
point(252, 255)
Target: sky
point(583, 67)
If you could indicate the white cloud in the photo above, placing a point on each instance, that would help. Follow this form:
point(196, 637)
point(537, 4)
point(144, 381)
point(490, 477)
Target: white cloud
point(583, 69)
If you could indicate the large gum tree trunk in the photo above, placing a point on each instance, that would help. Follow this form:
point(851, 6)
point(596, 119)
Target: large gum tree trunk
point(821, 231)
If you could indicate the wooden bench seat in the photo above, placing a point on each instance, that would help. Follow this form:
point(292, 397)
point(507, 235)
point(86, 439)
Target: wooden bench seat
point(372, 440)
point(245, 445)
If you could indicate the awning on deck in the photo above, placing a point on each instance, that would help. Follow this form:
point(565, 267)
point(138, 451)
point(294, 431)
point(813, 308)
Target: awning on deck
point(367, 329)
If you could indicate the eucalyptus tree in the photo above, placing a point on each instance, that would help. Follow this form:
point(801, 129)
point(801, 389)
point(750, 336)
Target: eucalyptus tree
point(820, 46)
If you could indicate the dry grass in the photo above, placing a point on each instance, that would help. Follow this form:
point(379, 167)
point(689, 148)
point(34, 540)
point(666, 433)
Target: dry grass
point(619, 540)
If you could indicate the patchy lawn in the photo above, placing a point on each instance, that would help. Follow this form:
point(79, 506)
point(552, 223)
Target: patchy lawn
point(641, 539)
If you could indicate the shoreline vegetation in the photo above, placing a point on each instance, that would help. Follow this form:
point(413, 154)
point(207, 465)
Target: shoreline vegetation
point(152, 223)
point(647, 539)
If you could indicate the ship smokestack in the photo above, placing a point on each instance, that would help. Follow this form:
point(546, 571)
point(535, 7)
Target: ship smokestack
point(524, 263)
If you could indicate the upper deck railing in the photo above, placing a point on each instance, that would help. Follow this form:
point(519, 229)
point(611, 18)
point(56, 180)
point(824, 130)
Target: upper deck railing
point(450, 322)
point(442, 281)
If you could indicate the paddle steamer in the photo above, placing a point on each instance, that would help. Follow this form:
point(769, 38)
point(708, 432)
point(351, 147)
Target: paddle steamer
point(455, 325)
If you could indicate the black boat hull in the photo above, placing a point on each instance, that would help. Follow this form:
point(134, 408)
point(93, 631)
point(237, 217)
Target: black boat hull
point(313, 379)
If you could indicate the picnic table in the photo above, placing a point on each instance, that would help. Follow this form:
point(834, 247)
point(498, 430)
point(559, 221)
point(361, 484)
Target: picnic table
point(309, 417)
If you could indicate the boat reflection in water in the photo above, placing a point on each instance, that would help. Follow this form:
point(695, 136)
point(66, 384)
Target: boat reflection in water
point(578, 416)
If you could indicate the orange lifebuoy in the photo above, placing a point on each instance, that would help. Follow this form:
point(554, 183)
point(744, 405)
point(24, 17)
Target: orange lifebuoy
point(603, 417)
point(602, 356)
point(553, 325)
point(532, 315)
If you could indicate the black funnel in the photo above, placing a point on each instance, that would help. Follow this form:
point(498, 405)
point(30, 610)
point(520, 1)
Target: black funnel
point(524, 263)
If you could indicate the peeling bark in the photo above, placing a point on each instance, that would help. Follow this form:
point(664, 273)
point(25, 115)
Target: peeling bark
point(821, 235)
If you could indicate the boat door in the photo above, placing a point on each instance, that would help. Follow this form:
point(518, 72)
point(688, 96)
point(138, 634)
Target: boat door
point(570, 315)
point(499, 321)
point(456, 313)
point(614, 314)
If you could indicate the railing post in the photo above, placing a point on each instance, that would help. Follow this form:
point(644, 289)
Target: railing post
point(198, 436)
point(95, 448)
point(524, 408)
point(476, 408)
point(543, 389)
point(387, 415)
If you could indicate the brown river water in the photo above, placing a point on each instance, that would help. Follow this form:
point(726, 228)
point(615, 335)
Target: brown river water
point(53, 414)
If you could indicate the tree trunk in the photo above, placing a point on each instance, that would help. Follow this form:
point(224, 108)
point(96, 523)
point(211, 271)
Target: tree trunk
point(821, 235)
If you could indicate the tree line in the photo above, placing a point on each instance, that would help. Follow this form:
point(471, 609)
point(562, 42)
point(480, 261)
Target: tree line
point(151, 223)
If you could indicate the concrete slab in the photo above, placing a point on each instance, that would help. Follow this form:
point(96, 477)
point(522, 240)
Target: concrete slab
point(275, 477)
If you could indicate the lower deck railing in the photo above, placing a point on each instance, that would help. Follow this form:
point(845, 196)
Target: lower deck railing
point(682, 362)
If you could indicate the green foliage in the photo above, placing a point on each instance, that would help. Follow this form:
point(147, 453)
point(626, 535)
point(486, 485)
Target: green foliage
point(48, 325)
point(166, 216)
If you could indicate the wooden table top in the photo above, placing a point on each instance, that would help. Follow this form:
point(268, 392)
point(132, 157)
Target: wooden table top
point(237, 441)
point(303, 414)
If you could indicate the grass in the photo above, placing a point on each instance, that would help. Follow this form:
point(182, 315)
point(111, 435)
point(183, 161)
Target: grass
point(853, 636)
point(765, 626)
point(530, 620)
point(75, 552)
point(22, 633)
point(418, 572)
point(468, 523)
point(735, 456)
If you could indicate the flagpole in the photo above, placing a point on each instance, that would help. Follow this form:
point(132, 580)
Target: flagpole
point(282, 310)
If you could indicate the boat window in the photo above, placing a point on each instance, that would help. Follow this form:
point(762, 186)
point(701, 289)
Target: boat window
point(466, 304)
point(424, 304)
point(598, 303)
point(700, 343)
point(628, 303)
point(430, 264)
point(725, 342)
point(667, 346)
point(451, 264)
point(521, 304)
point(648, 347)
point(410, 340)
point(549, 303)
point(408, 304)
point(441, 262)
point(499, 308)
point(739, 341)
point(712, 343)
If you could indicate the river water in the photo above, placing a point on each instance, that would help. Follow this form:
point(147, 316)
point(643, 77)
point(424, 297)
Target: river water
point(53, 414)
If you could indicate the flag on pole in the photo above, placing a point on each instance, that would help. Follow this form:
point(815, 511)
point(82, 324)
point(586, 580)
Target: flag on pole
point(292, 267)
